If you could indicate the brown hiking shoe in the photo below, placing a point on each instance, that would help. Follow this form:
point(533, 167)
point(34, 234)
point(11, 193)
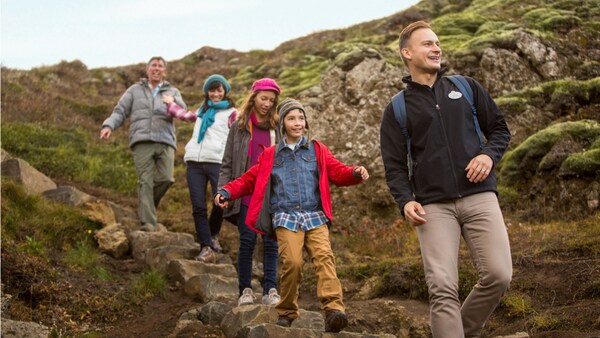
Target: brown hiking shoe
point(207, 255)
point(284, 321)
point(335, 321)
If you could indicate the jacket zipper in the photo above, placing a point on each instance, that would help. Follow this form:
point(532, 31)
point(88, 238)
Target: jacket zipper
point(437, 108)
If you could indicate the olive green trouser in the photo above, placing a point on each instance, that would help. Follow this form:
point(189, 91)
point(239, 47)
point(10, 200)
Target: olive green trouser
point(478, 219)
point(154, 166)
point(318, 247)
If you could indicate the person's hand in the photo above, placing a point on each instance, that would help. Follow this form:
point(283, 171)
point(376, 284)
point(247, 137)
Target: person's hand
point(167, 98)
point(221, 202)
point(413, 211)
point(105, 133)
point(479, 168)
point(362, 171)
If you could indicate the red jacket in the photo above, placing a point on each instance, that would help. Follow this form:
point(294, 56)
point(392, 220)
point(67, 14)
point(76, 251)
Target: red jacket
point(256, 181)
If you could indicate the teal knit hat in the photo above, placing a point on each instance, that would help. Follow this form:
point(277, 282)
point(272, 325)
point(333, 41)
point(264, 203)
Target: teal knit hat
point(218, 78)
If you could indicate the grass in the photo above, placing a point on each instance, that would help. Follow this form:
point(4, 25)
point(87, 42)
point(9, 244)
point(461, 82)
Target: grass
point(151, 282)
point(54, 271)
point(71, 154)
point(85, 256)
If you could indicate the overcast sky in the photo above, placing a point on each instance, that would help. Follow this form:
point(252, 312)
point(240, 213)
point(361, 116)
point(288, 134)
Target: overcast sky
point(121, 32)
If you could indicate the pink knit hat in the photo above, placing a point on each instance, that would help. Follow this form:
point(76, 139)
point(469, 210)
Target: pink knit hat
point(266, 84)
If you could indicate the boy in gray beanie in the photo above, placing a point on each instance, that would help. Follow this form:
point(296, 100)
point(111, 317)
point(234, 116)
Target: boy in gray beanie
point(291, 200)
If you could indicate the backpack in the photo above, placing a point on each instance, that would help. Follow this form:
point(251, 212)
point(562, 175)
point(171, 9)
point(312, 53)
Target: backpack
point(399, 107)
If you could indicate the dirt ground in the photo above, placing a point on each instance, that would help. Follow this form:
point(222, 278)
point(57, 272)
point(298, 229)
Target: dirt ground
point(554, 282)
point(562, 289)
point(158, 316)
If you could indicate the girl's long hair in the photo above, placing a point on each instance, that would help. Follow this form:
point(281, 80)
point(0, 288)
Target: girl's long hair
point(248, 105)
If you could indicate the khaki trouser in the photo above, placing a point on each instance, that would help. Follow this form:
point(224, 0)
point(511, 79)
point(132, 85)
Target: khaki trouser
point(478, 219)
point(154, 166)
point(318, 247)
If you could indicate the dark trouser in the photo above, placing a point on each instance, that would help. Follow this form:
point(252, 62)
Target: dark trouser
point(247, 244)
point(198, 176)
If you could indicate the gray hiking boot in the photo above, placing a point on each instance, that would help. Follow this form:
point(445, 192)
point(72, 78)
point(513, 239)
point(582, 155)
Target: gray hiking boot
point(215, 244)
point(148, 227)
point(247, 297)
point(207, 255)
point(272, 298)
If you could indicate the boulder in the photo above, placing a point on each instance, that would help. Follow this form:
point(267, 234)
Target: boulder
point(209, 287)
point(142, 241)
point(16, 329)
point(213, 312)
point(99, 211)
point(251, 315)
point(68, 195)
point(160, 257)
point(183, 269)
point(33, 181)
point(112, 240)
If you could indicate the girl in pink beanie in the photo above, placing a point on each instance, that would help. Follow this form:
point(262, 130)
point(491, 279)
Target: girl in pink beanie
point(255, 129)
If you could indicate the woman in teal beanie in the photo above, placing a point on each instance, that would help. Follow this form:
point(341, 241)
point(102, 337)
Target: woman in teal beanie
point(203, 155)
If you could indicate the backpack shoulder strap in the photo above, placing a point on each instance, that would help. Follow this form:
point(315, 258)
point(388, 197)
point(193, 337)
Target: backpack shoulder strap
point(400, 111)
point(399, 107)
point(463, 86)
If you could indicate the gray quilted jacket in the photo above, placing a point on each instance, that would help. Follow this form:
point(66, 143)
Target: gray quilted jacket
point(149, 118)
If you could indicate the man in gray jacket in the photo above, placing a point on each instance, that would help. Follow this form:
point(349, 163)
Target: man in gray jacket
point(151, 136)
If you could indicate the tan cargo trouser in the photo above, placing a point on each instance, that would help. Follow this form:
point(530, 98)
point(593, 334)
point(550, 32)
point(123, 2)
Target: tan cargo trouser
point(477, 219)
point(318, 247)
point(154, 167)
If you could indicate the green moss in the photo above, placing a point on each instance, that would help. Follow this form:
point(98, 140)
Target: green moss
point(552, 19)
point(306, 75)
point(464, 23)
point(512, 104)
point(583, 92)
point(508, 195)
point(247, 75)
point(561, 22)
point(586, 163)
point(521, 163)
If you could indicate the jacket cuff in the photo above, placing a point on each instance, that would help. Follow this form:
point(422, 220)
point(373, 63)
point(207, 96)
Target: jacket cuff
point(355, 173)
point(224, 193)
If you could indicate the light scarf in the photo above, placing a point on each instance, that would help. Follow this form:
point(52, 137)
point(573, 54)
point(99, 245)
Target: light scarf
point(208, 117)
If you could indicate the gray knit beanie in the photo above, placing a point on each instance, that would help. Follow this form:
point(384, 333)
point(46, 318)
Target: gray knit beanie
point(285, 107)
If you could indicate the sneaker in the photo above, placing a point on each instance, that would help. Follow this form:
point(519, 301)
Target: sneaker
point(247, 297)
point(207, 255)
point(148, 227)
point(335, 321)
point(284, 321)
point(272, 298)
point(215, 244)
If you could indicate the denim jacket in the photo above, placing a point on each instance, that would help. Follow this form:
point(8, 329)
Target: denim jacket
point(295, 178)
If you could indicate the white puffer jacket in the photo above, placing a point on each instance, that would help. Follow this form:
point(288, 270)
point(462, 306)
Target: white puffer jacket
point(212, 147)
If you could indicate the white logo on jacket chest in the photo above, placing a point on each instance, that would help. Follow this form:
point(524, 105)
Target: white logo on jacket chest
point(455, 95)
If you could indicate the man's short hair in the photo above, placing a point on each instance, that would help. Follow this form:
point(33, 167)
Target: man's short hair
point(407, 32)
point(156, 58)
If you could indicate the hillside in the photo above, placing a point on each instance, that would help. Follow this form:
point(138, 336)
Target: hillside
point(539, 59)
